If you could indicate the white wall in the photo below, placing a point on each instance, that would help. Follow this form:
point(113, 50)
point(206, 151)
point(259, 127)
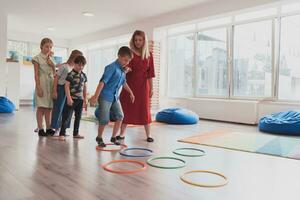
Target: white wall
point(238, 111)
point(3, 47)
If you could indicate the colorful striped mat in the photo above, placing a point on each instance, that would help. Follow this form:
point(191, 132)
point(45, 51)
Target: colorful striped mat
point(282, 146)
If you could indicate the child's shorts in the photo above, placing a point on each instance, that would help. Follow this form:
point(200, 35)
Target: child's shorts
point(109, 109)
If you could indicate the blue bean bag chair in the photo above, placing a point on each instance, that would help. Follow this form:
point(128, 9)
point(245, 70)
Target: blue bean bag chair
point(177, 116)
point(285, 123)
point(6, 106)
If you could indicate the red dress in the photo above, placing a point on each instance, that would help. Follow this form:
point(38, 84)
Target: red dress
point(138, 113)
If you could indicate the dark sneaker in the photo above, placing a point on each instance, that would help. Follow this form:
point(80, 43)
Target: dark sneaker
point(120, 137)
point(150, 139)
point(115, 141)
point(100, 142)
point(50, 132)
point(42, 133)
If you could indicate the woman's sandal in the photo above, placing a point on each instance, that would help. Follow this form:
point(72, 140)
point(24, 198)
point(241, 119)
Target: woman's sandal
point(78, 137)
point(150, 139)
point(120, 137)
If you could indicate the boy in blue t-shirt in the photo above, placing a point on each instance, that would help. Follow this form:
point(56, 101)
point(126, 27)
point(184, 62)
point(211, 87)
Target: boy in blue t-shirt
point(107, 93)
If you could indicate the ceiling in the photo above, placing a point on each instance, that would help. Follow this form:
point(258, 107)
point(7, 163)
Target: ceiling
point(65, 16)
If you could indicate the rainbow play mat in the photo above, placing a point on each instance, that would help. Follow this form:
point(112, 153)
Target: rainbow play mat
point(282, 146)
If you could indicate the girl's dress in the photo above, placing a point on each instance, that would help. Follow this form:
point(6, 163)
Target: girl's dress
point(46, 76)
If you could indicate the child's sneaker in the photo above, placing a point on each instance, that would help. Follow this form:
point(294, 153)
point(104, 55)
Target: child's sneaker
point(50, 132)
point(100, 142)
point(120, 137)
point(115, 141)
point(42, 133)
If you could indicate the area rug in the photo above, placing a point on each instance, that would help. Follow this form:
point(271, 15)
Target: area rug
point(282, 146)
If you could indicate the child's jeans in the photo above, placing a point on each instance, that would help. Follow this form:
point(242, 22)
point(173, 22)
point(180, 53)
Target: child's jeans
point(109, 110)
point(67, 116)
point(58, 106)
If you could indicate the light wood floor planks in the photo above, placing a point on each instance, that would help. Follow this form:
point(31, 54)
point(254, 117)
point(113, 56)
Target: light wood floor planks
point(46, 169)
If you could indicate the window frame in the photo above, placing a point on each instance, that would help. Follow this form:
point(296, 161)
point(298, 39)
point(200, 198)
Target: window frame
point(276, 38)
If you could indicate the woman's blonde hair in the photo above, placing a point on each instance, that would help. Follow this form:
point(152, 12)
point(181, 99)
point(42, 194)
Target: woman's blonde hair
point(73, 55)
point(145, 50)
point(45, 41)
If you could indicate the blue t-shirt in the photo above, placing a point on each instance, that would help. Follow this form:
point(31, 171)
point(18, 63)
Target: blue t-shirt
point(113, 78)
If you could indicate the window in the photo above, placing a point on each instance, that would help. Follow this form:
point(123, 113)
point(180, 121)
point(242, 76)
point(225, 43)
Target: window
point(289, 69)
point(61, 52)
point(180, 65)
point(33, 49)
point(20, 47)
point(253, 41)
point(252, 64)
point(212, 63)
point(95, 69)
point(97, 60)
point(108, 55)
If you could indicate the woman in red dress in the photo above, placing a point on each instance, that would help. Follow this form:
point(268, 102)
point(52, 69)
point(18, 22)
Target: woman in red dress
point(139, 80)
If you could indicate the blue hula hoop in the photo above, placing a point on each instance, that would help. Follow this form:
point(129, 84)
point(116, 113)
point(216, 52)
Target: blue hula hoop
point(123, 152)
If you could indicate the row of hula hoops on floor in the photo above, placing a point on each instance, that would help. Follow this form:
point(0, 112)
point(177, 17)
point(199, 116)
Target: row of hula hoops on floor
point(127, 152)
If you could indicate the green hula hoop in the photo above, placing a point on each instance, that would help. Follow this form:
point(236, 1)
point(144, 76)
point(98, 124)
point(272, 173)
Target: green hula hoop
point(150, 162)
point(177, 152)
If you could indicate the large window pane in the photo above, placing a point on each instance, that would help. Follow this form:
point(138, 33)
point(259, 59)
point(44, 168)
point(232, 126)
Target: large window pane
point(97, 60)
point(20, 47)
point(61, 52)
point(289, 70)
point(33, 49)
point(212, 63)
point(252, 65)
point(95, 69)
point(108, 55)
point(180, 65)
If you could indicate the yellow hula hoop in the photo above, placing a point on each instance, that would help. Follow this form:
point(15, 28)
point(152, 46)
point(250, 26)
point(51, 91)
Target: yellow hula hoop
point(184, 179)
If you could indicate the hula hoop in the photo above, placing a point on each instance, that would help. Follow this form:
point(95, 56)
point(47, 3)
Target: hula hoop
point(142, 164)
point(122, 146)
point(147, 153)
point(150, 162)
point(184, 179)
point(177, 152)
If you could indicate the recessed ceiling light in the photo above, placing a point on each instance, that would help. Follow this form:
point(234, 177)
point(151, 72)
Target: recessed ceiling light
point(51, 29)
point(87, 14)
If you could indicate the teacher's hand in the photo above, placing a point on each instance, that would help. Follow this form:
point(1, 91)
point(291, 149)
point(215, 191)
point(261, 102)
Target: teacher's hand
point(132, 98)
point(151, 93)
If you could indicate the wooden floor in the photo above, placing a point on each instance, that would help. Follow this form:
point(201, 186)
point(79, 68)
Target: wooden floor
point(43, 168)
